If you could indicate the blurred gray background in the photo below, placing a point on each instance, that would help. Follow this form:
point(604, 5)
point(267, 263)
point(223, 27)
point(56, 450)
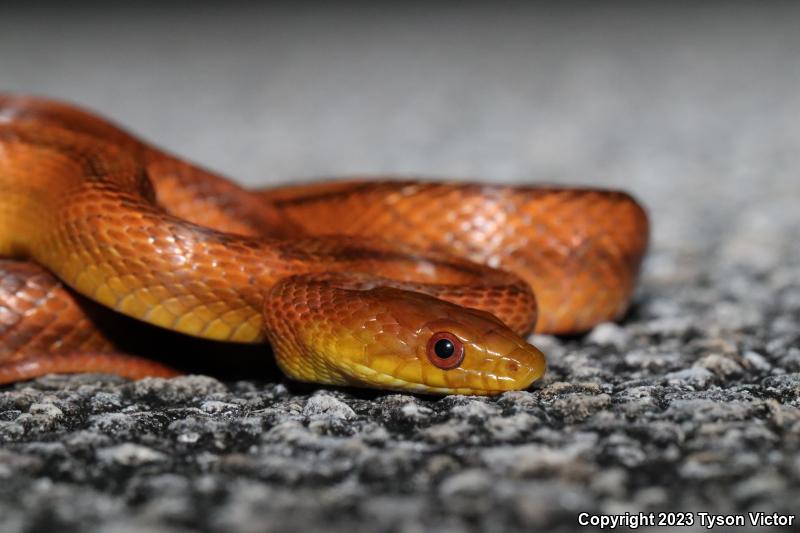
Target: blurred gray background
point(692, 107)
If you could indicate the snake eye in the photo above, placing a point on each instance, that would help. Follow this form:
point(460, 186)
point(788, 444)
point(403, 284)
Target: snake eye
point(445, 350)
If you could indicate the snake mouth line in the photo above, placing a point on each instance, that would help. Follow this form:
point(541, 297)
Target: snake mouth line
point(389, 381)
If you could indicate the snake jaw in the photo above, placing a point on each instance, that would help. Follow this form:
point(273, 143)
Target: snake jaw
point(488, 371)
point(515, 371)
point(388, 381)
point(495, 358)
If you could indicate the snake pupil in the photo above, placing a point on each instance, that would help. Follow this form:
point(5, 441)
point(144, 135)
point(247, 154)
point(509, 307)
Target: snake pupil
point(444, 348)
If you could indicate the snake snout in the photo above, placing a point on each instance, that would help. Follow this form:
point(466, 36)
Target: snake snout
point(522, 367)
point(510, 362)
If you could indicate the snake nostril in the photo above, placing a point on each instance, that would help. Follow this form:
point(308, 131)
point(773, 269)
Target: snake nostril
point(513, 366)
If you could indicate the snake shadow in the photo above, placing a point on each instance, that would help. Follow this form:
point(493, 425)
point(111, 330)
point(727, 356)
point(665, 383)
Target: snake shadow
point(223, 360)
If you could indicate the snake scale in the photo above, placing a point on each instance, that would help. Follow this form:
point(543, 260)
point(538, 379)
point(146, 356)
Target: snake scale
point(407, 285)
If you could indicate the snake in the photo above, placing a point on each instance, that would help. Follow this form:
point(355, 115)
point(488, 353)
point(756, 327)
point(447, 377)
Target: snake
point(392, 283)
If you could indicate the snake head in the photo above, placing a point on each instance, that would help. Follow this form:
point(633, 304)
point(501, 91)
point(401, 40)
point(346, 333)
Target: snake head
point(368, 335)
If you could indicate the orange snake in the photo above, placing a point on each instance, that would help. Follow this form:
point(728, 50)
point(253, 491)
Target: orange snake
point(415, 286)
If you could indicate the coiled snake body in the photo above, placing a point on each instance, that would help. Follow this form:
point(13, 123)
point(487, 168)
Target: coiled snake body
point(406, 285)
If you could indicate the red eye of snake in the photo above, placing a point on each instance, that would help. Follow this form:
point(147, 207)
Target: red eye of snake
point(445, 350)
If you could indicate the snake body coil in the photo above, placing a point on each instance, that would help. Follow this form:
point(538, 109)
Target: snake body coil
point(393, 284)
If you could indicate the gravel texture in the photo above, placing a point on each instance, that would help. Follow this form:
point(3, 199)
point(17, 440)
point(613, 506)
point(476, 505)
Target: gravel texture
point(691, 403)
